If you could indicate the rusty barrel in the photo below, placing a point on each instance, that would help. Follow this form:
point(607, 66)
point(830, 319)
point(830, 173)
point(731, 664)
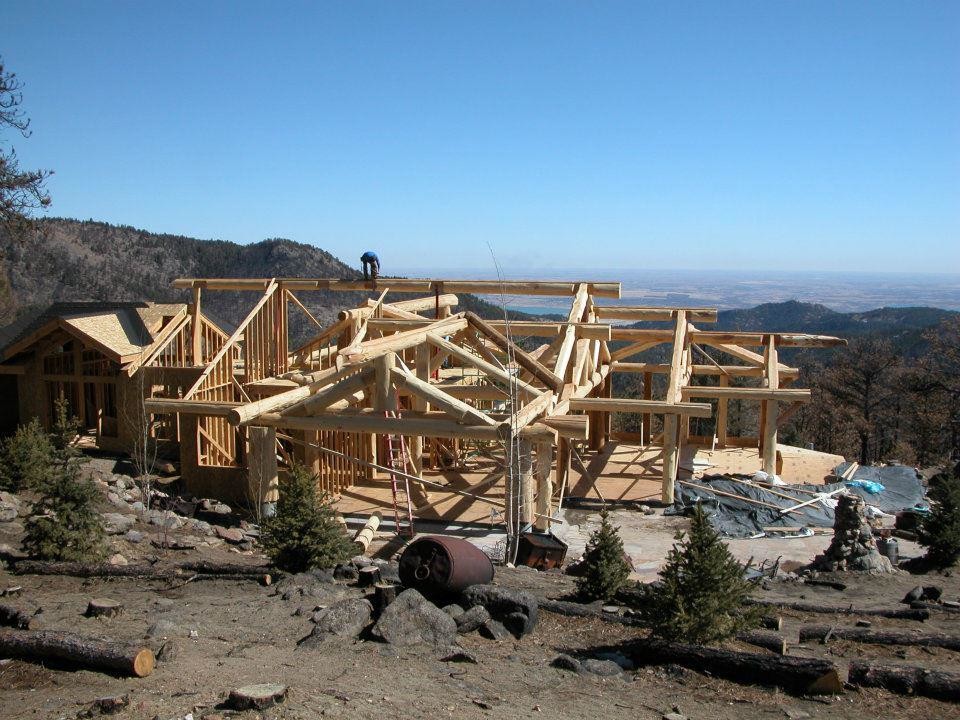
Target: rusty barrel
point(440, 565)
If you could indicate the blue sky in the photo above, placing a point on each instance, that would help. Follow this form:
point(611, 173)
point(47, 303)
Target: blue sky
point(769, 135)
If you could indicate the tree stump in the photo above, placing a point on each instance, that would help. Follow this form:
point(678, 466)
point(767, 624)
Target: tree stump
point(383, 595)
point(257, 697)
point(104, 607)
point(368, 576)
point(15, 618)
point(772, 622)
point(772, 641)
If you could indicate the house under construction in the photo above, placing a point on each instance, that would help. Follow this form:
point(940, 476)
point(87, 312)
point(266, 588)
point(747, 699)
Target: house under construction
point(473, 419)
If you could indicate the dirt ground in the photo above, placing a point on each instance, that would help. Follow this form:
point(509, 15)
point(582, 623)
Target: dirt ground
point(232, 633)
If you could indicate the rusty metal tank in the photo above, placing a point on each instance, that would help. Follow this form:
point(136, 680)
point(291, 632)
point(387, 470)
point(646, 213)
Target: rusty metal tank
point(438, 565)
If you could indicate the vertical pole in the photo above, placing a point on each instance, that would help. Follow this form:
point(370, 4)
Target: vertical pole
point(544, 485)
point(646, 430)
point(770, 419)
point(263, 474)
point(384, 397)
point(196, 348)
point(721, 430)
point(526, 485)
point(671, 455)
point(422, 367)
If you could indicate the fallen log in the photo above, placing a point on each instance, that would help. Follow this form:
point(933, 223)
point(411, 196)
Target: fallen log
point(225, 571)
point(47, 645)
point(574, 609)
point(906, 680)
point(922, 605)
point(913, 614)
point(774, 642)
point(879, 637)
point(13, 617)
point(796, 675)
point(772, 622)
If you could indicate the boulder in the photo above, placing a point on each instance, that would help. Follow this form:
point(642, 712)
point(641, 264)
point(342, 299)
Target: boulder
point(231, 535)
point(454, 611)
point(516, 609)
point(411, 619)
point(471, 619)
point(117, 523)
point(495, 630)
point(604, 668)
point(134, 536)
point(566, 662)
point(8, 513)
point(344, 619)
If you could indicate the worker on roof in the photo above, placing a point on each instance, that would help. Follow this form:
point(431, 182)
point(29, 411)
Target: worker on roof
point(370, 261)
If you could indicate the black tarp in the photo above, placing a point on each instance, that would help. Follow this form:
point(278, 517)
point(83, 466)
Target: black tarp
point(732, 517)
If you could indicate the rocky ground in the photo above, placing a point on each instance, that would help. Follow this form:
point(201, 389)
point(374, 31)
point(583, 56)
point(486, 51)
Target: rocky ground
point(493, 654)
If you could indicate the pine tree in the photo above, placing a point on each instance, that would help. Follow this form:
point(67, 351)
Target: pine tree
point(25, 458)
point(64, 432)
point(940, 530)
point(606, 568)
point(304, 533)
point(65, 524)
point(702, 588)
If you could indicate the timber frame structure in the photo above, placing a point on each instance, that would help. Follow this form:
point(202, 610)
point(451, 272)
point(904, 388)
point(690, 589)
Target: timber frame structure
point(445, 379)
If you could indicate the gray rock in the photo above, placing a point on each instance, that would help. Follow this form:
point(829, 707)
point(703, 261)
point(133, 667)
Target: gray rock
point(134, 536)
point(495, 630)
point(314, 584)
point(604, 668)
point(472, 619)
point(795, 713)
point(453, 610)
point(674, 716)
point(231, 535)
point(200, 526)
point(138, 507)
point(8, 513)
point(117, 559)
point(345, 572)
point(566, 662)
point(170, 650)
point(164, 628)
point(117, 523)
point(514, 608)
point(164, 604)
point(8, 498)
point(413, 620)
point(116, 500)
point(620, 659)
point(345, 620)
point(175, 543)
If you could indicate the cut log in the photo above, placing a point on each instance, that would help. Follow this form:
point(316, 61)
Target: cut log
point(922, 605)
point(233, 571)
point(257, 697)
point(907, 680)
point(368, 576)
point(365, 535)
point(50, 645)
point(796, 675)
point(919, 615)
point(879, 637)
point(383, 595)
point(772, 622)
point(12, 617)
point(104, 607)
point(774, 642)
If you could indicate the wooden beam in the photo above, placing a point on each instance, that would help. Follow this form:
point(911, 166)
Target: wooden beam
point(324, 398)
point(633, 349)
point(457, 409)
point(159, 406)
point(409, 285)
point(536, 368)
point(658, 407)
point(487, 368)
point(373, 421)
point(570, 336)
point(635, 313)
point(402, 341)
point(196, 330)
point(544, 479)
point(678, 378)
point(531, 411)
point(705, 370)
point(770, 418)
point(742, 393)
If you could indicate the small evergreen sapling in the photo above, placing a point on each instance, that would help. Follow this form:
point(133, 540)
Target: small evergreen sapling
point(940, 530)
point(605, 567)
point(64, 524)
point(25, 458)
point(702, 588)
point(304, 533)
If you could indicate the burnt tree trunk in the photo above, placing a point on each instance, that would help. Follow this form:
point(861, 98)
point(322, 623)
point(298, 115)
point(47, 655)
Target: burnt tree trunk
point(879, 637)
point(797, 675)
point(907, 680)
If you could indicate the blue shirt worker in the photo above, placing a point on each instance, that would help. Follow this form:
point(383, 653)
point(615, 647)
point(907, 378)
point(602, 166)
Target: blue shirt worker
point(371, 265)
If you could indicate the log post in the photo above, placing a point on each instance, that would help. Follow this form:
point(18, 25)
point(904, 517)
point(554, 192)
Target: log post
point(262, 473)
point(526, 485)
point(384, 396)
point(671, 457)
point(196, 347)
point(544, 473)
point(770, 408)
point(645, 428)
point(721, 429)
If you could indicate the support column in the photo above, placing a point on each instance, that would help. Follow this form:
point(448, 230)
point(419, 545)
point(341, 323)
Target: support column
point(544, 485)
point(646, 429)
point(384, 397)
point(418, 494)
point(262, 471)
point(671, 457)
point(196, 347)
point(311, 454)
point(771, 407)
point(721, 429)
point(527, 487)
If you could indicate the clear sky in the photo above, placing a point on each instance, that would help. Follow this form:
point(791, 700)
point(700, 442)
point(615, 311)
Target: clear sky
point(770, 135)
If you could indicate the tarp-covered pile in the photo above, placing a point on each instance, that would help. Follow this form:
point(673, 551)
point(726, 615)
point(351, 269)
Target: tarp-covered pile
point(741, 508)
